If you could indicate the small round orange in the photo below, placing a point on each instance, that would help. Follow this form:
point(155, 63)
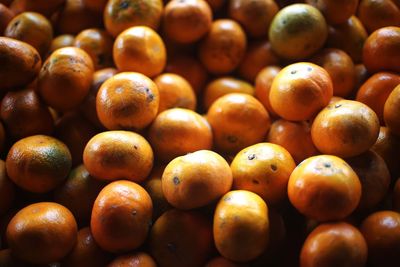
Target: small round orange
point(121, 216)
point(61, 41)
point(140, 49)
point(263, 84)
point(391, 111)
point(42, 233)
point(378, 14)
point(264, 169)
point(387, 146)
point(300, 91)
point(324, 188)
point(113, 155)
point(128, 100)
point(6, 15)
point(335, 11)
point(137, 259)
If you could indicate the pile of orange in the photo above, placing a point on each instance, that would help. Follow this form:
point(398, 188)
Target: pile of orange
point(200, 133)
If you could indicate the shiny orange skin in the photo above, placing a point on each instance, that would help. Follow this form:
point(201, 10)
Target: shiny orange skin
point(387, 146)
point(258, 55)
point(189, 68)
point(78, 193)
point(6, 16)
point(18, 108)
point(223, 86)
point(375, 91)
point(222, 262)
point(38, 163)
point(391, 111)
point(263, 84)
point(334, 11)
point(324, 188)
point(120, 15)
point(186, 21)
point(128, 100)
point(396, 196)
point(75, 131)
point(189, 182)
point(295, 137)
point(241, 226)
point(381, 50)
point(255, 16)
point(334, 244)
point(121, 216)
point(88, 106)
point(340, 67)
point(44, 7)
point(32, 28)
point(222, 49)
point(61, 41)
point(300, 91)
point(264, 169)
point(113, 155)
point(138, 259)
point(98, 44)
point(349, 37)
point(86, 253)
point(20, 63)
point(175, 92)
point(238, 121)
point(381, 230)
point(181, 239)
point(378, 14)
point(53, 227)
point(140, 49)
point(345, 128)
point(374, 176)
point(176, 132)
point(7, 190)
point(65, 78)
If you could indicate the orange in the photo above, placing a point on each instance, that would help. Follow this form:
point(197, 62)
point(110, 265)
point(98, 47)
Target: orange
point(295, 137)
point(181, 239)
point(78, 193)
point(375, 91)
point(176, 132)
point(175, 92)
point(222, 86)
point(300, 91)
point(120, 15)
point(345, 128)
point(255, 16)
point(348, 36)
point(238, 120)
point(381, 230)
point(241, 226)
point(263, 84)
point(341, 69)
point(38, 163)
point(258, 55)
point(61, 41)
point(115, 155)
point(361, 75)
point(334, 244)
point(65, 78)
point(381, 50)
point(32, 28)
point(190, 182)
point(334, 11)
point(324, 188)
point(18, 108)
point(121, 216)
point(21, 63)
point(7, 190)
point(42, 233)
point(222, 49)
point(98, 44)
point(137, 259)
point(396, 196)
point(86, 253)
point(140, 49)
point(297, 31)
point(374, 176)
point(186, 21)
point(41, 6)
point(378, 14)
point(128, 100)
point(88, 105)
point(391, 111)
point(96, 5)
point(264, 169)
point(6, 16)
